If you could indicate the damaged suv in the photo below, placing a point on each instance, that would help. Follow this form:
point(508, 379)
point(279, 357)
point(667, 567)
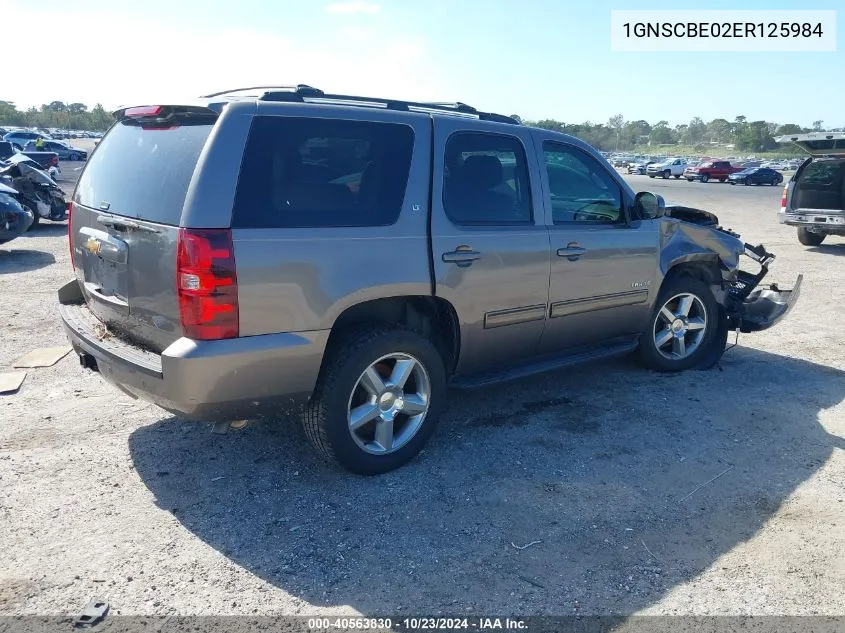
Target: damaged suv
point(346, 258)
point(814, 198)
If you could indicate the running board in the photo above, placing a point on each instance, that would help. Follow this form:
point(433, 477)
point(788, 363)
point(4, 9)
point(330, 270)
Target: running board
point(544, 364)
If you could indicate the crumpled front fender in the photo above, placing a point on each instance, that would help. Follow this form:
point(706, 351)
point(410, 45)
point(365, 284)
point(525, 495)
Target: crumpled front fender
point(684, 242)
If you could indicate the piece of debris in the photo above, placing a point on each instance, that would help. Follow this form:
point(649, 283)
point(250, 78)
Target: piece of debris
point(218, 478)
point(706, 483)
point(531, 582)
point(11, 381)
point(42, 357)
point(93, 614)
point(648, 550)
point(526, 546)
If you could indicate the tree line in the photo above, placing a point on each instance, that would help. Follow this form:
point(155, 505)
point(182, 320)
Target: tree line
point(621, 135)
point(615, 135)
point(57, 114)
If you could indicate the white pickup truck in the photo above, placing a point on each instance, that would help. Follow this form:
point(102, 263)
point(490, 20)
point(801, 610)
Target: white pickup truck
point(670, 167)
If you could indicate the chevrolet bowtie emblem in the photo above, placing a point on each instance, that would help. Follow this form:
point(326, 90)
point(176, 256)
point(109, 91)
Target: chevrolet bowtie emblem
point(93, 246)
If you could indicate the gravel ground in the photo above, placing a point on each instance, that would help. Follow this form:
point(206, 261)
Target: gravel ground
point(582, 491)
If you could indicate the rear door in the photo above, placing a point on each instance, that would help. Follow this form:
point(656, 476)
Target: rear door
point(490, 248)
point(125, 221)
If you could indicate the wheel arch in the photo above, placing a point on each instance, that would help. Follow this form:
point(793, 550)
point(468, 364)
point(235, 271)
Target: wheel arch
point(434, 317)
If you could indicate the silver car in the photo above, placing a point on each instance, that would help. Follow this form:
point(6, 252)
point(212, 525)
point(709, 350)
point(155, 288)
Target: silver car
point(247, 255)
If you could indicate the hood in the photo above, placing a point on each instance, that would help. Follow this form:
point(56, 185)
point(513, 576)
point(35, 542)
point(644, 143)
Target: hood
point(689, 214)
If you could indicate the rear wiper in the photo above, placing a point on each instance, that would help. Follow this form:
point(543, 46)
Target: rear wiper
point(120, 223)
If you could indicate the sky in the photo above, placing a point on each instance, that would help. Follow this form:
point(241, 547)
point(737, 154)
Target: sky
point(535, 58)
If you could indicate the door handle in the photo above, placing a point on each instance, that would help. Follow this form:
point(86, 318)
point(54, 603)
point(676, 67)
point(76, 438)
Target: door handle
point(463, 256)
point(572, 252)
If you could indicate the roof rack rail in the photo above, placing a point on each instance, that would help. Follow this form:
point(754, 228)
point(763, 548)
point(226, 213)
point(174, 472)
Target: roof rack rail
point(299, 94)
point(298, 88)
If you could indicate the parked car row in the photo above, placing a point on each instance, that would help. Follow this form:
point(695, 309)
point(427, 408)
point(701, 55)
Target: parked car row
point(747, 172)
point(21, 137)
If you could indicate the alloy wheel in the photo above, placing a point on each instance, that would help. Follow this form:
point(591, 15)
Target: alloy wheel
point(680, 326)
point(389, 403)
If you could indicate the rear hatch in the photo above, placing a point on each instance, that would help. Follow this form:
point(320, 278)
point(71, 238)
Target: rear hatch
point(125, 219)
point(819, 184)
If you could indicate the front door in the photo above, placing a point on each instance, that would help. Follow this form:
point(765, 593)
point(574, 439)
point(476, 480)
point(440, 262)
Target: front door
point(489, 242)
point(603, 267)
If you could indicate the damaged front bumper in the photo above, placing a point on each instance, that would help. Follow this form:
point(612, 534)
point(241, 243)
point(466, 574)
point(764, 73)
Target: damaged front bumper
point(751, 308)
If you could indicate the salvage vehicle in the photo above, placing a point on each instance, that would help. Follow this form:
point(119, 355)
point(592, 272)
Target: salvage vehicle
point(15, 219)
point(34, 188)
point(345, 257)
point(670, 167)
point(640, 168)
point(711, 170)
point(756, 176)
point(62, 150)
point(814, 198)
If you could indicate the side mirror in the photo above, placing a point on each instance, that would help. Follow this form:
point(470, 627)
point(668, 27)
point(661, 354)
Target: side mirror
point(649, 206)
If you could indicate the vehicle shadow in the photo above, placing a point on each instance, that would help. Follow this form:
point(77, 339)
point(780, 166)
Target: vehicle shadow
point(829, 249)
point(588, 490)
point(47, 229)
point(20, 260)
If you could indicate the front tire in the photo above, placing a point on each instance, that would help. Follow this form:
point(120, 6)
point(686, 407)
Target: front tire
point(666, 174)
point(685, 328)
point(808, 238)
point(377, 400)
point(704, 177)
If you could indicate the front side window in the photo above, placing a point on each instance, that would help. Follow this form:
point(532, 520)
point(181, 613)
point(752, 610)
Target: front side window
point(486, 180)
point(308, 172)
point(581, 190)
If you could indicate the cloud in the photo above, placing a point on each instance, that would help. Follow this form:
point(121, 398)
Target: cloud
point(353, 6)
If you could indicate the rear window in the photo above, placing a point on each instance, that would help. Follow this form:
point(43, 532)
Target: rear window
point(821, 173)
point(304, 172)
point(143, 173)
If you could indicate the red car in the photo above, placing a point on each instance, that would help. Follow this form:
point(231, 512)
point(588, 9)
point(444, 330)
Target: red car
point(711, 170)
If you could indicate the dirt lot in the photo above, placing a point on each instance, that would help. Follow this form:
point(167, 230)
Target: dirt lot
point(581, 491)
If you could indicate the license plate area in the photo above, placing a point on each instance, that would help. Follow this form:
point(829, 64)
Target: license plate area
point(104, 266)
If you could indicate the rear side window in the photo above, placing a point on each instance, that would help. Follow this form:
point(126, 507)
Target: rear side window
point(143, 173)
point(486, 180)
point(306, 172)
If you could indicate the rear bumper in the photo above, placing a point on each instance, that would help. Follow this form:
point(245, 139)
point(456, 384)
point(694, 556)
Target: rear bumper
point(765, 307)
point(211, 381)
point(819, 221)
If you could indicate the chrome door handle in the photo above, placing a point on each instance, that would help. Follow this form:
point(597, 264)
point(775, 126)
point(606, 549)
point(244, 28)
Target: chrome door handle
point(462, 256)
point(572, 252)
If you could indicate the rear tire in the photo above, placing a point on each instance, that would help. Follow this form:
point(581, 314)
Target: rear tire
point(345, 386)
point(678, 176)
point(808, 238)
point(685, 329)
point(722, 179)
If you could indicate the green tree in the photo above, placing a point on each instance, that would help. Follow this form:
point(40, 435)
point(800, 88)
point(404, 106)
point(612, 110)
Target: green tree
point(696, 131)
point(817, 125)
point(661, 134)
point(789, 128)
point(719, 130)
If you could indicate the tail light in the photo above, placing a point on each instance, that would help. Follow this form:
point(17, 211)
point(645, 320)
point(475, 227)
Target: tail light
point(70, 233)
point(207, 284)
point(783, 197)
